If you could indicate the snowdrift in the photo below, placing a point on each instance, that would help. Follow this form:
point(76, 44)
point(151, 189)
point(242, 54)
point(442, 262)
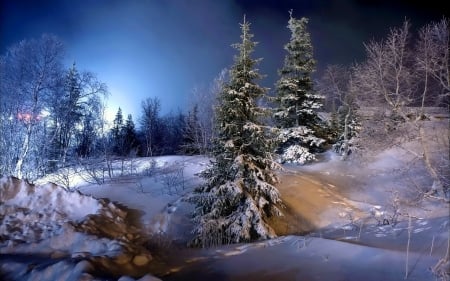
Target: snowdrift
point(303, 258)
point(67, 233)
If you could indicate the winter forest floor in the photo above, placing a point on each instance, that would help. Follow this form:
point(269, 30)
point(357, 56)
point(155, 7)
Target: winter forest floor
point(335, 225)
point(332, 230)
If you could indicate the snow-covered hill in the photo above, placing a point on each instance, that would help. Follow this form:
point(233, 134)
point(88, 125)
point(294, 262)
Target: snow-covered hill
point(50, 233)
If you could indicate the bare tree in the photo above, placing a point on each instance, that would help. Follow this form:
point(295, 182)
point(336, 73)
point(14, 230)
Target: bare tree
point(205, 99)
point(192, 134)
point(150, 124)
point(80, 97)
point(432, 63)
point(385, 77)
point(170, 133)
point(387, 81)
point(336, 85)
point(31, 70)
point(432, 60)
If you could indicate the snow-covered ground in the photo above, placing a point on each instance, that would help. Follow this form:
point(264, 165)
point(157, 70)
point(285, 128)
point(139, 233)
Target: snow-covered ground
point(48, 233)
point(333, 226)
point(83, 231)
point(336, 211)
point(302, 258)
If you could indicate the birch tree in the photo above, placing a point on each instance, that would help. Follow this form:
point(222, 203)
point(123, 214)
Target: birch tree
point(432, 62)
point(205, 100)
point(388, 80)
point(150, 124)
point(336, 85)
point(31, 70)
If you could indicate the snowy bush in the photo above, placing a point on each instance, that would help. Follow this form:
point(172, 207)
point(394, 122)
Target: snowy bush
point(345, 147)
point(347, 139)
point(298, 144)
point(301, 135)
point(172, 179)
point(296, 154)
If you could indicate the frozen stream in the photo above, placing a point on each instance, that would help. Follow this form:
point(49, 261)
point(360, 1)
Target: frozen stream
point(340, 239)
point(329, 230)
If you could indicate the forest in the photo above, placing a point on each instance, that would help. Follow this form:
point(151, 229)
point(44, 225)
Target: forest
point(52, 119)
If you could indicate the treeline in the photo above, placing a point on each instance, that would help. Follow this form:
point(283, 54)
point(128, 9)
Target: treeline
point(155, 135)
point(52, 116)
point(48, 113)
point(188, 133)
point(403, 70)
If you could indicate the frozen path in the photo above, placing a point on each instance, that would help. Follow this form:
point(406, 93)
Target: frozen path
point(311, 204)
point(328, 199)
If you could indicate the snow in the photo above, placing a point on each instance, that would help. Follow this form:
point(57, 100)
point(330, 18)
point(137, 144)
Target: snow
point(296, 144)
point(297, 154)
point(298, 258)
point(63, 232)
point(46, 197)
point(50, 233)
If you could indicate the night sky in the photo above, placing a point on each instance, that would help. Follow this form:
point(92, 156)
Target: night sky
point(164, 48)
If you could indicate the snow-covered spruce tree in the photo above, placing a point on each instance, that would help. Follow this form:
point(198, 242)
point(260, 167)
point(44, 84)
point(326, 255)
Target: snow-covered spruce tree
point(297, 102)
point(116, 132)
point(239, 193)
point(130, 140)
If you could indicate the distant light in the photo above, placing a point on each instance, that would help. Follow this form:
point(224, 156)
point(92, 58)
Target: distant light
point(27, 117)
point(44, 113)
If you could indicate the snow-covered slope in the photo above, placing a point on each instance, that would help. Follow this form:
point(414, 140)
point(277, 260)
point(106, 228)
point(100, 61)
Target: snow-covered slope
point(48, 233)
point(64, 235)
point(297, 258)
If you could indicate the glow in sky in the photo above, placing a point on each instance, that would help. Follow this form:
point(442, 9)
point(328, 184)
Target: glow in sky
point(164, 48)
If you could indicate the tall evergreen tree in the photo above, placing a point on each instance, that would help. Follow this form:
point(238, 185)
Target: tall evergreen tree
point(86, 137)
point(239, 193)
point(130, 141)
point(72, 109)
point(296, 97)
point(117, 131)
point(297, 101)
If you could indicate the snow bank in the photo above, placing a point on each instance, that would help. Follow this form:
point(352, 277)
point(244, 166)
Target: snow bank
point(64, 234)
point(32, 213)
point(102, 172)
point(46, 199)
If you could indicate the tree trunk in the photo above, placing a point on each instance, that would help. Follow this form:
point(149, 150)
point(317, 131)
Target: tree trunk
point(346, 140)
point(25, 148)
point(426, 158)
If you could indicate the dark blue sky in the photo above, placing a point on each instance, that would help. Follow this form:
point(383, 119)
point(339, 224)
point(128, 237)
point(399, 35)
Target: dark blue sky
point(163, 48)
